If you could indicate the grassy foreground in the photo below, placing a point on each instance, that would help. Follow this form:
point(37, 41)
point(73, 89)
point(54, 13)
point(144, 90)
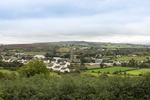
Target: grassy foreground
point(75, 87)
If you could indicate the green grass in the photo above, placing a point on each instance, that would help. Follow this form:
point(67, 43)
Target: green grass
point(5, 71)
point(109, 70)
point(111, 45)
point(9, 72)
point(139, 71)
point(92, 67)
point(112, 70)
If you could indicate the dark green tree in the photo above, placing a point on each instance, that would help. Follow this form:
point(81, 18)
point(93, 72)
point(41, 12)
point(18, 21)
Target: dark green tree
point(33, 68)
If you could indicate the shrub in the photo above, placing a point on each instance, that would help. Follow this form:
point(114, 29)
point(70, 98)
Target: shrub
point(33, 68)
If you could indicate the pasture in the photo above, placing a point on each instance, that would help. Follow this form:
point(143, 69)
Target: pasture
point(139, 71)
point(110, 70)
point(118, 70)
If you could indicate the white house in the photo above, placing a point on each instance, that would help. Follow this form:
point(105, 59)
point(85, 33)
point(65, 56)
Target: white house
point(98, 61)
point(108, 64)
point(39, 57)
point(63, 70)
point(60, 66)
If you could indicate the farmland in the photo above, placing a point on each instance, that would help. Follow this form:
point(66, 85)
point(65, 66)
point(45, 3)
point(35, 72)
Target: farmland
point(139, 71)
point(110, 70)
point(118, 70)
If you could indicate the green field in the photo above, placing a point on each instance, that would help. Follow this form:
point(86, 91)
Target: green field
point(118, 70)
point(109, 70)
point(119, 45)
point(8, 71)
point(92, 67)
point(139, 71)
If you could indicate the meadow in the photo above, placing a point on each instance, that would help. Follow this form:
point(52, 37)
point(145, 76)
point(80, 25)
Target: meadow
point(139, 71)
point(117, 71)
point(109, 70)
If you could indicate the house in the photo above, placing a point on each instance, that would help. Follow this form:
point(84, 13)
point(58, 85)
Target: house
point(117, 63)
point(56, 59)
point(98, 61)
point(108, 64)
point(10, 59)
point(6, 60)
point(39, 57)
point(63, 70)
point(59, 65)
point(46, 61)
point(19, 54)
point(23, 61)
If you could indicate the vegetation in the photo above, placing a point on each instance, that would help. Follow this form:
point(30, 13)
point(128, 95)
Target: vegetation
point(33, 68)
point(109, 70)
point(33, 81)
point(139, 71)
point(10, 65)
point(137, 58)
point(75, 87)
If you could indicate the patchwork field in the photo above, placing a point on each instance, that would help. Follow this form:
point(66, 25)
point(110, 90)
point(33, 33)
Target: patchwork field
point(110, 70)
point(139, 71)
point(118, 70)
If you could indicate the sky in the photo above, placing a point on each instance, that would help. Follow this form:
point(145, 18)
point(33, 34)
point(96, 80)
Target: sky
point(117, 21)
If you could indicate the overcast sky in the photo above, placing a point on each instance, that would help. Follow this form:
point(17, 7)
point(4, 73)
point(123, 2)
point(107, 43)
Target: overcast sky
point(28, 21)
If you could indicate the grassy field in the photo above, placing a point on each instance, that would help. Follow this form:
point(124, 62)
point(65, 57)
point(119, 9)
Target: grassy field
point(92, 67)
point(137, 58)
point(121, 70)
point(110, 70)
point(8, 71)
point(111, 45)
point(139, 71)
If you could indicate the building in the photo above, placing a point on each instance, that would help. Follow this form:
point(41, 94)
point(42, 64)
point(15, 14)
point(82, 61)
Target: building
point(60, 65)
point(39, 57)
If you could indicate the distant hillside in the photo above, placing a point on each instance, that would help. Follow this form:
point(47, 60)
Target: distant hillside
point(43, 46)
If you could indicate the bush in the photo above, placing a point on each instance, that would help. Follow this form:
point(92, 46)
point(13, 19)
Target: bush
point(33, 68)
point(2, 75)
point(75, 87)
point(8, 76)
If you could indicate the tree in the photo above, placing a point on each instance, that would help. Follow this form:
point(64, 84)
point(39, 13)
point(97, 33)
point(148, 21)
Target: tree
point(132, 63)
point(33, 68)
point(1, 58)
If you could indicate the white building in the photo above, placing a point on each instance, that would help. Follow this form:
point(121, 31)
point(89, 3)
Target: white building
point(61, 66)
point(39, 57)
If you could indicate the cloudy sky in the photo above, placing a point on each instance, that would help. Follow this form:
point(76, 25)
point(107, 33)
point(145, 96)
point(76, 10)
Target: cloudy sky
point(28, 21)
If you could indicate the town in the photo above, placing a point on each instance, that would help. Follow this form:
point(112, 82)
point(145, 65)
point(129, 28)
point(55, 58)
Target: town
point(67, 57)
point(50, 70)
